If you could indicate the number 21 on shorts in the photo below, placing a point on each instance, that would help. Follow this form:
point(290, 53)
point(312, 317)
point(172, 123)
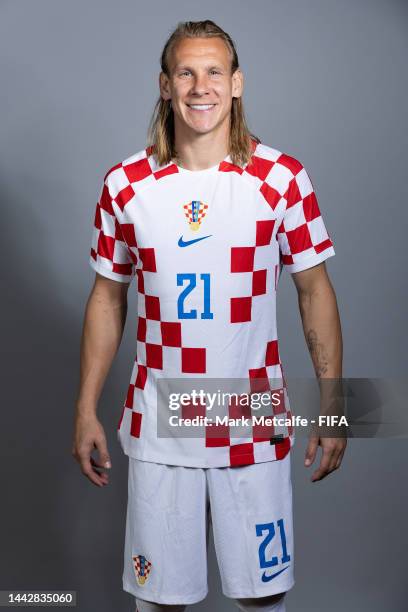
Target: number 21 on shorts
point(274, 561)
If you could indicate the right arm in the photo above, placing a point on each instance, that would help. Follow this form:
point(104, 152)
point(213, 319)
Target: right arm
point(104, 322)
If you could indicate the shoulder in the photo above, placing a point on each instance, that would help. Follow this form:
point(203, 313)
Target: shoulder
point(137, 167)
point(268, 158)
point(134, 166)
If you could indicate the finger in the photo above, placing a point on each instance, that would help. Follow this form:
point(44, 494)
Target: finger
point(104, 459)
point(89, 472)
point(340, 458)
point(310, 454)
point(103, 475)
point(324, 466)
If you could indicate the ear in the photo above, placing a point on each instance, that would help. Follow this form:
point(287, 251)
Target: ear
point(164, 86)
point(237, 83)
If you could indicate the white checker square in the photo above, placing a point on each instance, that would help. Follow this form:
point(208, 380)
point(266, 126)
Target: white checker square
point(141, 353)
point(317, 230)
point(117, 180)
point(304, 183)
point(294, 216)
point(153, 332)
point(107, 223)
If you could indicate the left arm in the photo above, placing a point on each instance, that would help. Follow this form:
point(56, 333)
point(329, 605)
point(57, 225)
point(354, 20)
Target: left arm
point(322, 329)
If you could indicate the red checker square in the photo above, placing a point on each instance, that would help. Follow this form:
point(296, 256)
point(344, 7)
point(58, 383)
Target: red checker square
point(264, 231)
point(154, 356)
point(259, 167)
point(272, 353)
point(141, 376)
point(323, 245)
point(271, 195)
point(148, 259)
point(193, 360)
point(135, 424)
point(282, 448)
point(299, 239)
point(242, 454)
point(242, 259)
point(171, 333)
point(141, 329)
point(311, 207)
point(216, 435)
point(290, 162)
point(98, 216)
point(278, 399)
point(239, 407)
point(172, 169)
point(228, 167)
point(259, 282)
point(137, 170)
point(125, 268)
point(260, 433)
point(129, 396)
point(128, 233)
point(241, 309)
point(287, 260)
point(124, 196)
point(259, 381)
point(106, 201)
point(293, 195)
point(189, 411)
point(152, 304)
point(140, 281)
point(106, 246)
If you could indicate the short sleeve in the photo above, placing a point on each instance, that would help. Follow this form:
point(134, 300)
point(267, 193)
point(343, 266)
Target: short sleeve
point(110, 255)
point(302, 235)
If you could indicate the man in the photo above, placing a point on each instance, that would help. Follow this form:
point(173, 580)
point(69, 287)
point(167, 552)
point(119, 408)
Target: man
point(205, 217)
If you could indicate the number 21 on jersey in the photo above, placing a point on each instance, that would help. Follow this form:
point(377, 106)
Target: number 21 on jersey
point(190, 280)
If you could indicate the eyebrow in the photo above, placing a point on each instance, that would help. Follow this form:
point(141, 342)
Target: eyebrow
point(186, 67)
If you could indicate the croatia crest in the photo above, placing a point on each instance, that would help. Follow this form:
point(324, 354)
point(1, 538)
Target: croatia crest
point(142, 568)
point(195, 212)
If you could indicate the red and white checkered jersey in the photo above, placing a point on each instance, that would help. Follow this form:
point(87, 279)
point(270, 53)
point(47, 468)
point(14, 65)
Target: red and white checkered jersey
point(207, 248)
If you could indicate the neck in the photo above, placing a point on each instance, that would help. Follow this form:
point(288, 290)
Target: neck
point(202, 151)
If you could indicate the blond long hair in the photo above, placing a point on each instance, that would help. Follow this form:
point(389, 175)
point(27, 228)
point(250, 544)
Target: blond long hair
point(161, 140)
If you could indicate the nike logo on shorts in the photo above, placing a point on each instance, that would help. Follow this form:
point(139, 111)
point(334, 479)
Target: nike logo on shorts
point(266, 578)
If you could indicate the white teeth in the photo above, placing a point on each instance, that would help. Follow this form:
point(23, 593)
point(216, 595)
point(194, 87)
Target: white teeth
point(201, 106)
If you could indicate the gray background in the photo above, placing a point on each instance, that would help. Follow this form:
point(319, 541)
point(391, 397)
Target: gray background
point(326, 82)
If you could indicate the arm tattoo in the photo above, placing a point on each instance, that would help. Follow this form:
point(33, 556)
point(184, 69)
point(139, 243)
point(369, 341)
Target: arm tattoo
point(317, 352)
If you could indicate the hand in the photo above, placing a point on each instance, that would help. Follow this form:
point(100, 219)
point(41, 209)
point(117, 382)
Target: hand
point(333, 450)
point(89, 434)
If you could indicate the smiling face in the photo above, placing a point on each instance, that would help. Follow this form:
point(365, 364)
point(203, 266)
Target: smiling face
point(201, 86)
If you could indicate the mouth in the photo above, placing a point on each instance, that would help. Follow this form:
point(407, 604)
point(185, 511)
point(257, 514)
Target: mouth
point(201, 108)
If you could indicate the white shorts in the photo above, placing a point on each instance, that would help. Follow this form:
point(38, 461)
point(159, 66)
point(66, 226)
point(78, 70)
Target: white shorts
point(169, 511)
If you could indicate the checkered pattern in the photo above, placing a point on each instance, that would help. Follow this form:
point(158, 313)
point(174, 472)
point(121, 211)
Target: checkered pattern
point(109, 251)
point(242, 260)
point(273, 222)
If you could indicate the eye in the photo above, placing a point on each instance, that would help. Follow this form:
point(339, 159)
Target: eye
point(216, 71)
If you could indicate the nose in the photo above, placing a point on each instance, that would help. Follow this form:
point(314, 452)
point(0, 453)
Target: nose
point(200, 85)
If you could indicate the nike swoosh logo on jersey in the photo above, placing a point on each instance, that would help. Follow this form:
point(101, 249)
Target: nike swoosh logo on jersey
point(184, 243)
point(266, 578)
